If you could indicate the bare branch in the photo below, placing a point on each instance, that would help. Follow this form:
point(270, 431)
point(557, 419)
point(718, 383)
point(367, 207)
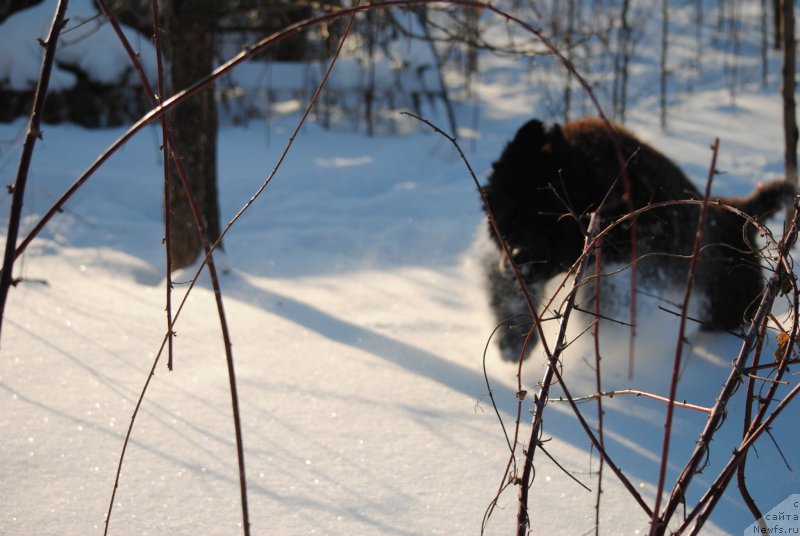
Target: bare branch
point(34, 133)
point(637, 393)
point(541, 399)
point(750, 341)
point(656, 524)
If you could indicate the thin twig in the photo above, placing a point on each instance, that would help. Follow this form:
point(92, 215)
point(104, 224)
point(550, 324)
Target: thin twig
point(537, 324)
point(733, 381)
point(655, 525)
point(596, 443)
point(598, 270)
point(489, 386)
point(637, 393)
point(761, 422)
point(34, 133)
point(208, 260)
point(166, 148)
point(748, 414)
point(563, 469)
point(540, 401)
point(200, 227)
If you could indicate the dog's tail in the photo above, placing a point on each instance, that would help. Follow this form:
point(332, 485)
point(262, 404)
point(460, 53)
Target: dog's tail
point(766, 200)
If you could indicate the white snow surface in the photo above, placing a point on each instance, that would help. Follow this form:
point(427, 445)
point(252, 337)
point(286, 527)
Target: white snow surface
point(355, 298)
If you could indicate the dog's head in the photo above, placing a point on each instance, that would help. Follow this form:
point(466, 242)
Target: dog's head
point(528, 178)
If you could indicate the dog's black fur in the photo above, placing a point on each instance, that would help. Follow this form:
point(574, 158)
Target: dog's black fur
point(548, 176)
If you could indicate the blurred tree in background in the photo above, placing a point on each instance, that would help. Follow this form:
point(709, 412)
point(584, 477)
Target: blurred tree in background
point(423, 58)
point(189, 30)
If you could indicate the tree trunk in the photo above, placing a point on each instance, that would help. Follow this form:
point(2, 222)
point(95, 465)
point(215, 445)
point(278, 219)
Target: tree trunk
point(568, 44)
point(698, 35)
point(621, 63)
point(190, 26)
point(764, 45)
point(664, 72)
point(788, 89)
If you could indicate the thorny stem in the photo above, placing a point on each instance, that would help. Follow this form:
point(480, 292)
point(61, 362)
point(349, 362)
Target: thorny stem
point(759, 425)
point(655, 526)
point(622, 220)
point(714, 492)
point(762, 366)
point(198, 219)
point(748, 419)
point(544, 386)
point(525, 295)
point(208, 259)
point(34, 133)
point(598, 251)
point(168, 145)
point(749, 342)
point(633, 392)
point(587, 429)
point(167, 149)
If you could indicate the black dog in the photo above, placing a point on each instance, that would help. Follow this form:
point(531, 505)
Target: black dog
point(548, 179)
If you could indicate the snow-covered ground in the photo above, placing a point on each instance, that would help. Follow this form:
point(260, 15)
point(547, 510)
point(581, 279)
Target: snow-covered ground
point(354, 292)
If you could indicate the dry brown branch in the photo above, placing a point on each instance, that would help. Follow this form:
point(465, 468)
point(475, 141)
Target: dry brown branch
point(655, 525)
point(718, 411)
point(208, 260)
point(540, 400)
point(598, 269)
point(200, 228)
point(537, 324)
point(637, 393)
point(748, 419)
point(166, 142)
point(34, 132)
